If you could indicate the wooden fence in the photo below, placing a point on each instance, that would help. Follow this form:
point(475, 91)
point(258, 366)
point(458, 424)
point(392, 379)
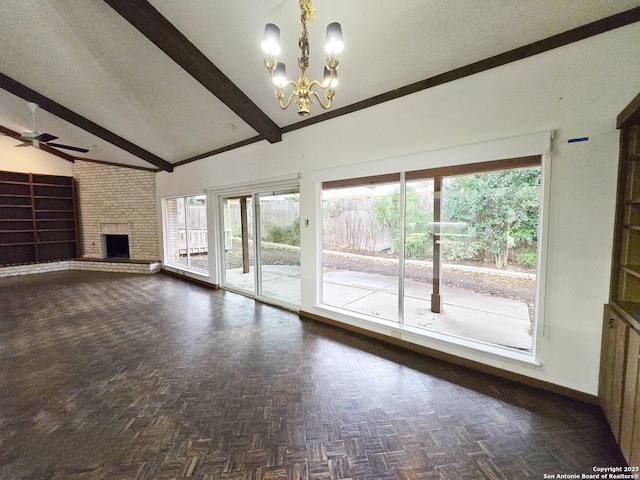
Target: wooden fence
point(198, 241)
point(349, 223)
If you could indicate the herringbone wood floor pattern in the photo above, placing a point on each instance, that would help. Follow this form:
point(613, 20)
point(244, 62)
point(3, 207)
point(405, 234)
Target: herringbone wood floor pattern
point(112, 376)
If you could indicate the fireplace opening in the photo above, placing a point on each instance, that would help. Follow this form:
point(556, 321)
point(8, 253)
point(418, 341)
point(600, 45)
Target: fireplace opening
point(117, 246)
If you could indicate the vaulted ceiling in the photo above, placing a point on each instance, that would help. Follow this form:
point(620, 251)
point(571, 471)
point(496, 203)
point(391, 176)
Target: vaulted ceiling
point(154, 84)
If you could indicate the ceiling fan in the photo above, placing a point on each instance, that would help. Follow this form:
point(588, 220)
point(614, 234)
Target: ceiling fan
point(34, 138)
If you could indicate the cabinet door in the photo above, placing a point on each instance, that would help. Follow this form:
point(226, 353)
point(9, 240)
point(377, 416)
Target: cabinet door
point(607, 357)
point(628, 431)
point(634, 458)
point(613, 369)
point(619, 364)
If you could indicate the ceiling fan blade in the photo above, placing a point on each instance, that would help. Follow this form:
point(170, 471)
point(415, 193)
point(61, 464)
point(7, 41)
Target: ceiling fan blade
point(45, 137)
point(68, 147)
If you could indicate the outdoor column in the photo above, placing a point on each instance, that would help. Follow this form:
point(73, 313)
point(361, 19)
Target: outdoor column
point(436, 299)
point(245, 234)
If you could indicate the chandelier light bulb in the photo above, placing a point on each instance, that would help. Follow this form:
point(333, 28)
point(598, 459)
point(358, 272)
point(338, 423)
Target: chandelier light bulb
point(280, 75)
point(334, 45)
point(271, 40)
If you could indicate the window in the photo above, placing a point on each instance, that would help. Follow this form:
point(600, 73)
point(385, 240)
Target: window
point(360, 247)
point(186, 233)
point(447, 250)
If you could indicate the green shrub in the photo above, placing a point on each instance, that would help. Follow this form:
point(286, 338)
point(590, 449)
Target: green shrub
point(455, 250)
point(289, 234)
point(527, 257)
point(418, 246)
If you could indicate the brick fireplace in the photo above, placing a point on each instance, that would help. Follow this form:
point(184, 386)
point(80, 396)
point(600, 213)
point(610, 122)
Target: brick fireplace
point(116, 202)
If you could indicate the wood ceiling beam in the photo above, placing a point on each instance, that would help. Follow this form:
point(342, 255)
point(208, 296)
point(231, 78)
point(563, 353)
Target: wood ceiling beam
point(45, 148)
point(148, 21)
point(24, 92)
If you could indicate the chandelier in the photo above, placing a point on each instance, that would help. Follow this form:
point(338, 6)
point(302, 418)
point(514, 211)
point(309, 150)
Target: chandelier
point(303, 90)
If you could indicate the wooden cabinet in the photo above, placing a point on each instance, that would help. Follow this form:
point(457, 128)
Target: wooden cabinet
point(630, 418)
point(612, 406)
point(619, 389)
point(37, 218)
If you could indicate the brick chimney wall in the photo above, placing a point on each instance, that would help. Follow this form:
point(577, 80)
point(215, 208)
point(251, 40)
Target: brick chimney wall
point(116, 200)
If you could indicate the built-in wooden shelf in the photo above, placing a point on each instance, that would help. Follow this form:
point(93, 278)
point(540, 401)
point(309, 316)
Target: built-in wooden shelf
point(52, 210)
point(57, 241)
point(619, 388)
point(631, 270)
point(8, 182)
point(29, 203)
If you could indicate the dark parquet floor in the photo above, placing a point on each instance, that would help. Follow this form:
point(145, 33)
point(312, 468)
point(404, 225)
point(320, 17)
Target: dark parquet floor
point(112, 376)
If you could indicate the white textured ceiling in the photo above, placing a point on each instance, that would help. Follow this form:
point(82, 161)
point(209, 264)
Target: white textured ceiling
point(86, 57)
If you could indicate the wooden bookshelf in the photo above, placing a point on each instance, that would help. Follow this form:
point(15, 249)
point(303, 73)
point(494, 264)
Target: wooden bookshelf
point(619, 389)
point(625, 278)
point(37, 218)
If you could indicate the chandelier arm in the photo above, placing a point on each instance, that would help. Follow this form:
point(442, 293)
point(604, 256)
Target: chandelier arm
point(329, 92)
point(328, 105)
point(284, 106)
point(318, 84)
point(290, 82)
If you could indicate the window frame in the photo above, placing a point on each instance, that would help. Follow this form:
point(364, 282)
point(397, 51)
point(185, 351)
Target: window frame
point(541, 160)
point(166, 236)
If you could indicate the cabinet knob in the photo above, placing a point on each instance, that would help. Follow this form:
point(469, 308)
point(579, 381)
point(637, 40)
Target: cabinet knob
point(611, 322)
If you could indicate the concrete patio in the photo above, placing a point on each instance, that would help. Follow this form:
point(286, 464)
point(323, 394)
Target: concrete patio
point(466, 314)
point(279, 282)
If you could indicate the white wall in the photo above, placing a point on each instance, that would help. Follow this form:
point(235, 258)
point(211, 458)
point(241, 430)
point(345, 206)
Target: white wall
point(576, 91)
point(30, 160)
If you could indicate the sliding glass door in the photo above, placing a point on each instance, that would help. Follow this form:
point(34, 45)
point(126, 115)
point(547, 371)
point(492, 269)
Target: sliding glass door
point(261, 244)
point(278, 220)
point(238, 243)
